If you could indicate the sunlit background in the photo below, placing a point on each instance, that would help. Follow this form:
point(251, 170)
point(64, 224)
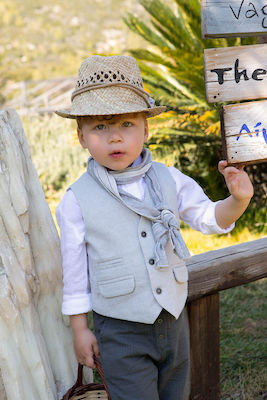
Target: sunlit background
point(42, 44)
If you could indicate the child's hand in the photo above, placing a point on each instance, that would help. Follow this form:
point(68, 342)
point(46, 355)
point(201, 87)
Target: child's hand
point(237, 181)
point(85, 346)
point(84, 341)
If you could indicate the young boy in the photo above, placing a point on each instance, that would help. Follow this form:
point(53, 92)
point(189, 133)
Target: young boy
point(123, 254)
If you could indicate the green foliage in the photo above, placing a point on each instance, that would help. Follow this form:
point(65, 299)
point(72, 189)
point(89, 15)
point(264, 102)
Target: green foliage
point(177, 50)
point(187, 136)
point(56, 152)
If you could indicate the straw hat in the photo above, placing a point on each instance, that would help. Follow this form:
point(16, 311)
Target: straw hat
point(110, 85)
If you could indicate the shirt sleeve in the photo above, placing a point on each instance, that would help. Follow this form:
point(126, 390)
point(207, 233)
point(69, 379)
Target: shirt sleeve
point(194, 207)
point(76, 286)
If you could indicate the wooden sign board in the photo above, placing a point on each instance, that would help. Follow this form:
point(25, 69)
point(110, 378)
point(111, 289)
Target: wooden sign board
point(236, 73)
point(233, 18)
point(244, 132)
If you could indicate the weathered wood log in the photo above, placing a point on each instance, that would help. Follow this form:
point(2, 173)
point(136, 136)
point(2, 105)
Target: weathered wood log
point(244, 132)
point(235, 73)
point(204, 322)
point(222, 269)
point(37, 360)
point(235, 18)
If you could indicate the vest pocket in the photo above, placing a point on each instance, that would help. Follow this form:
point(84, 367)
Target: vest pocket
point(180, 274)
point(117, 287)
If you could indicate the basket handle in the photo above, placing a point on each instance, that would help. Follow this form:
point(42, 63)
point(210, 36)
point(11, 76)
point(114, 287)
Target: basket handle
point(79, 381)
point(99, 369)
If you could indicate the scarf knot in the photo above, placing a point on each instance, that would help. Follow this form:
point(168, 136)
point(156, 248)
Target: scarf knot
point(165, 228)
point(168, 219)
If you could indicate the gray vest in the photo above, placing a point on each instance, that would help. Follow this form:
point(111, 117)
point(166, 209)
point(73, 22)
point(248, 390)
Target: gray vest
point(120, 245)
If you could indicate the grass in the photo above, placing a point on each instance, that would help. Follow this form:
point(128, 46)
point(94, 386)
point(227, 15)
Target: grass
point(199, 243)
point(243, 345)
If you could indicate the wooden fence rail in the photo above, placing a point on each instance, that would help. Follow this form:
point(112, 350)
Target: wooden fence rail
point(32, 97)
point(208, 274)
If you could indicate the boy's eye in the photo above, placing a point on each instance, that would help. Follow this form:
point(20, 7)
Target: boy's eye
point(100, 127)
point(127, 123)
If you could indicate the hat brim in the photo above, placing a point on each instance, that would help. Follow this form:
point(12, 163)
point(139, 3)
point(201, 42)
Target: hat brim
point(110, 100)
point(150, 112)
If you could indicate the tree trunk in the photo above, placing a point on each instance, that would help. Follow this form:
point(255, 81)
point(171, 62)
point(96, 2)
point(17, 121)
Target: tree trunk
point(36, 353)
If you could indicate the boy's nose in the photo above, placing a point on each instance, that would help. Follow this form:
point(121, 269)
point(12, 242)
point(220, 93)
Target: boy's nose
point(115, 135)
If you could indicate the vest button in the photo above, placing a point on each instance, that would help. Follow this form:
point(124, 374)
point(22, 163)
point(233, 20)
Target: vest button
point(143, 234)
point(151, 261)
point(158, 290)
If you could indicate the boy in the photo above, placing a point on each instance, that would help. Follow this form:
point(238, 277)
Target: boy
point(123, 254)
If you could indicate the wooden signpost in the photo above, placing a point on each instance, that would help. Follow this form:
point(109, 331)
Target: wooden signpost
point(226, 18)
point(244, 132)
point(236, 73)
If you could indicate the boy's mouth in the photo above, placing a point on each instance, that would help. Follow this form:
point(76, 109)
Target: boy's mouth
point(117, 154)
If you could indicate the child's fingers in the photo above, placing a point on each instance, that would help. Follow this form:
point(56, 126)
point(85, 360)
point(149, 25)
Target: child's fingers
point(224, 168)
point(86, 360)
point(96, 349)
point(89, 359)
point(222, 165)
point(89, 362)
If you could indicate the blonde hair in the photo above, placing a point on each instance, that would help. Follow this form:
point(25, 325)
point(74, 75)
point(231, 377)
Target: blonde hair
point(108, 117)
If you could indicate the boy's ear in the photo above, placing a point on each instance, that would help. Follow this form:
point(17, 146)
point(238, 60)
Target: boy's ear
point(80, 137)
point(146, 131)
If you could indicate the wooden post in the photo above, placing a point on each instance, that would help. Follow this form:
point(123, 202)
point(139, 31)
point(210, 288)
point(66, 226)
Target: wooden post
point(205, 348)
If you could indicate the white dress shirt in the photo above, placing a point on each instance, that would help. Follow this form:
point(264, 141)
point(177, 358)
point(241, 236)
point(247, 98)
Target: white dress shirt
point(194, 208)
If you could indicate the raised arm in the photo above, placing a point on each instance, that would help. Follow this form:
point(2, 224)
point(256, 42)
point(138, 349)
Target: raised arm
point(240, 187)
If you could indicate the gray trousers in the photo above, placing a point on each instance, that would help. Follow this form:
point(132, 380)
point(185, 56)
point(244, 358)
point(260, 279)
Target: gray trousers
point(143, 361)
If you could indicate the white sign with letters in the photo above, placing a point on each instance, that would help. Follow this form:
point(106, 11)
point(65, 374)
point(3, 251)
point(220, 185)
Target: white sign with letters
point(236, 18)
point(244, 132)
point(236, 73)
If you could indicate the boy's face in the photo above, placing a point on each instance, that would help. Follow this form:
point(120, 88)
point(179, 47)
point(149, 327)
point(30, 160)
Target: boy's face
point(114, 143)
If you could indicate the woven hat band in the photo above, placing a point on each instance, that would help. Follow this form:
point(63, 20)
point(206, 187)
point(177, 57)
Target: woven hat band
point(99, 101)
point(139, 92)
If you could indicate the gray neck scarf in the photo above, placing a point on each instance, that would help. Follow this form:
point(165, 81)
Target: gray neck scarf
point(164, 222)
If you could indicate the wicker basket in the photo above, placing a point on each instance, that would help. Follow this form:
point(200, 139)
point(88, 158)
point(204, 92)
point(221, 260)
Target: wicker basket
point(91, 391)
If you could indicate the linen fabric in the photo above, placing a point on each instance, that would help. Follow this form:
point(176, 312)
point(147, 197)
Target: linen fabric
point(194, 208)
point(123, 270)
